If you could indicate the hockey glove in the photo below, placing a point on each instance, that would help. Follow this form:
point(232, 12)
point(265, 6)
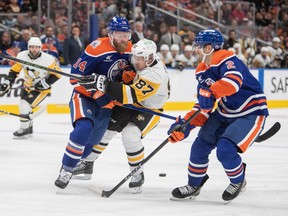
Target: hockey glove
point(93, 82)
point(206, 99)
point(128, 74)
point(176, 133)
point(5, 87)
point(43, 84)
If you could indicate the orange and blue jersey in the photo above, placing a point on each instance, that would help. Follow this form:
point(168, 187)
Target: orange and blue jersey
point(100, 57)
point(230, 80)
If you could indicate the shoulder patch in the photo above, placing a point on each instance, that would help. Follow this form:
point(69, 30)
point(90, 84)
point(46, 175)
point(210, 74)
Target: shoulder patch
point(99, 47)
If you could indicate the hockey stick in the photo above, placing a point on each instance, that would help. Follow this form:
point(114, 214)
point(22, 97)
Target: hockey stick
point(28, 117)
point(108, 193)
point(146, 110)
point(39, 66)
point(269, 133)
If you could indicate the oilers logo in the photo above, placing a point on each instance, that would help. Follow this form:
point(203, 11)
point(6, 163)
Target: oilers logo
point(209, 82)
point(116, 68)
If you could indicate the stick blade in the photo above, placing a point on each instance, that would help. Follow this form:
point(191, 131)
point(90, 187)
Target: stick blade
point(106, 193)
point(98, 191)
point(271, 132)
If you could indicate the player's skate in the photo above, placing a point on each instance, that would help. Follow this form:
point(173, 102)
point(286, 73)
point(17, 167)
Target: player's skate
point(83, 170)
point(23, 133)
point(63, 179)
point(136, 183)
point(233, 190)
point(188, 192)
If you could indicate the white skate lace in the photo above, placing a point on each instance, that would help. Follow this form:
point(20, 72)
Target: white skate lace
point(233, 188)
point(187, 189)
point(80, 166)
point(65, 176)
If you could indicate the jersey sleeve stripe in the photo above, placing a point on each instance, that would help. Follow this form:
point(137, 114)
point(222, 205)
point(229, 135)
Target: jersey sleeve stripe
point(237, 73)
point(235, 78)
point(224, 87)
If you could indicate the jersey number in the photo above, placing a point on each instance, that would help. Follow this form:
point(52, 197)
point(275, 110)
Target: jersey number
point(80, 65)
point(142, 85)
point(230, 64)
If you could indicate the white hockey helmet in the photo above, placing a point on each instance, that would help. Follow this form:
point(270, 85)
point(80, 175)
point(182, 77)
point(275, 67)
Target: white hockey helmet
point(34, 41)
point(145, 48)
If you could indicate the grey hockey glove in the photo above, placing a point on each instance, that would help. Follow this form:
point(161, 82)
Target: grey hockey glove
point(5, 87)
point(93, 82)
point(43, 84)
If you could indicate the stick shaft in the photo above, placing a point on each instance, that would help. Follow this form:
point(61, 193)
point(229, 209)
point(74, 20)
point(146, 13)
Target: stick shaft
point(110, 192)
point(129, 106)
point(38, 66)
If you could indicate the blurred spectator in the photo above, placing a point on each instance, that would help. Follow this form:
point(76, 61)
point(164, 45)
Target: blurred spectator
point(29, 6)
point(9, 21)
point(238, 52)
point(175, 51)
point(73, 46)
point(184, 30)
point(138, 32)
point(49, 33)
point(12, 51)
point(20, 24)
point(49, 48)
point(238, 13)
point(109, 10)
point(26, 35)
point(185, 59)
point(188, 39)
point(6, 41)
point(2, 6)
point(284, 63)
point(275, 53)
point(165, 55)
point(231, 39)
point(13, 7)
point(139, 11)
point(171, 37)
point(62, 35)
point(261, 60)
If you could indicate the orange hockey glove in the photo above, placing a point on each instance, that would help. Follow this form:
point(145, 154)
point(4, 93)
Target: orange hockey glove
point(177, 134)
point(128, 74)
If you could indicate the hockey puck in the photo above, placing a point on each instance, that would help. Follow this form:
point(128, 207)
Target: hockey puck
point(162, 174)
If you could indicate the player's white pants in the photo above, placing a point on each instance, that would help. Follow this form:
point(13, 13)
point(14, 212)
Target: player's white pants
point(25, 109)
point(131, 138)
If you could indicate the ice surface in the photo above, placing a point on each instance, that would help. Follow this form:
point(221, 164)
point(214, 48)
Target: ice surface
point(28, 169)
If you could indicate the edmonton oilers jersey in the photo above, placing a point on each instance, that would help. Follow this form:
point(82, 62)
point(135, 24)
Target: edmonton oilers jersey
point(230, 80)
point(100, 57)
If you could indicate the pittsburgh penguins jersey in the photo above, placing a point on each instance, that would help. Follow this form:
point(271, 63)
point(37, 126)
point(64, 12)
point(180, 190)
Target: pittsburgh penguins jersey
point(230, 80)
point(100, 57)
point(33, 75)
point(150, 88)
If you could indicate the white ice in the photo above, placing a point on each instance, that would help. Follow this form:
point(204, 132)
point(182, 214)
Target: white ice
point(28, 169)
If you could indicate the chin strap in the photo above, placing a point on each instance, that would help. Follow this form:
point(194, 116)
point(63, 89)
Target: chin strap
point(204, 55)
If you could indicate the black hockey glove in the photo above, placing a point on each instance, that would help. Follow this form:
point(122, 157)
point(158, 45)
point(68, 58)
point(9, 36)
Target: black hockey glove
point(93, 82)
point(5, 87)
point(43, 84)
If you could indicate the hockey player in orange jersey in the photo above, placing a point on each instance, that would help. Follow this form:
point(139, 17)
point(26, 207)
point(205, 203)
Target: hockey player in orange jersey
point(230, 129)
point(91, 110)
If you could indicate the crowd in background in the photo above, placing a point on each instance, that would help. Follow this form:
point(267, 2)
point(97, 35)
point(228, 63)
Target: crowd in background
point(261, 41)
